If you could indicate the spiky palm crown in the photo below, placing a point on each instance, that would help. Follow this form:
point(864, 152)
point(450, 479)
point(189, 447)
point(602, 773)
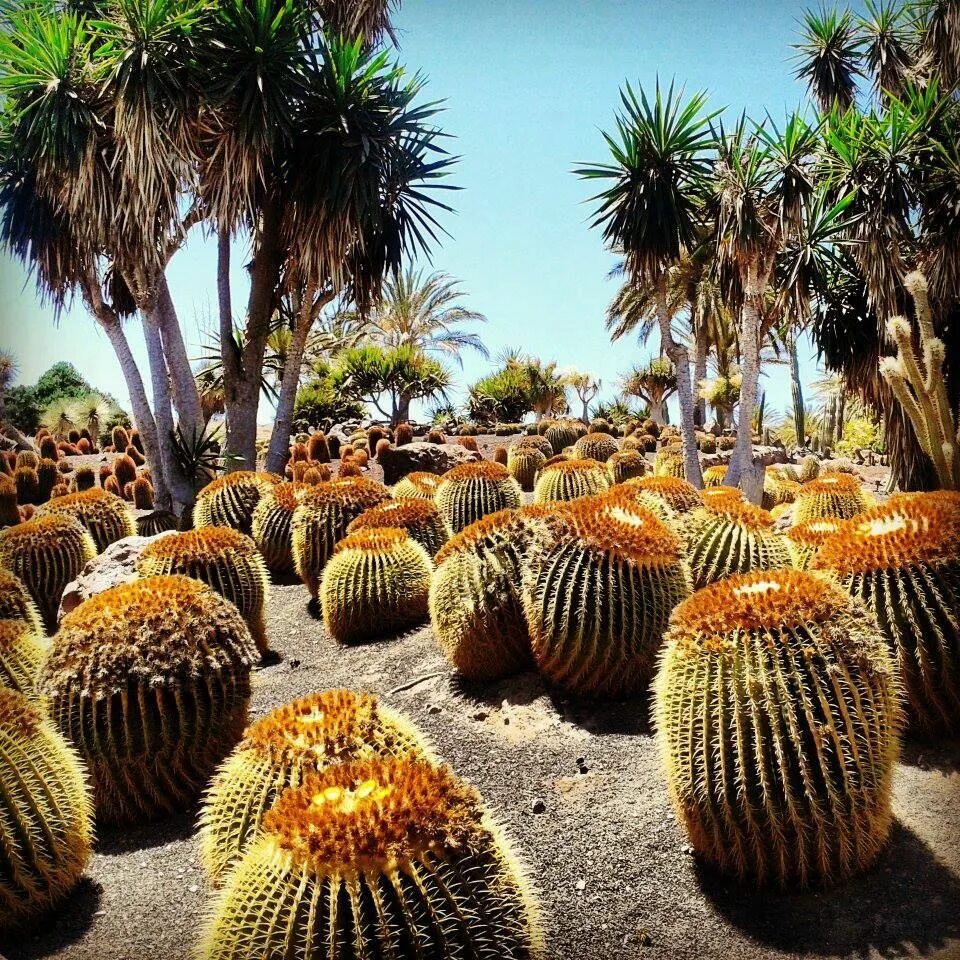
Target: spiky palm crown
point(16, 602)
point(106, 517)
point(419, 518)
point(676, 492)
point(569, 480)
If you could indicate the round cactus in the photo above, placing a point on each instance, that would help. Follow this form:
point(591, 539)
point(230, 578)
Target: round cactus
point(377, 583)
point(48, 475)
point(668, 463)
point(230, 500)
point(524, 463)
point(271, 526)
point(158, 521)
point(595, 446)
point(293, 742)
point(46, 822)
point(714, 476)
point(564, 434)
point(629, 493)
point(805, 539)
point(383, 858)
point(778, 489)
point(125, 470)
point(729, 537)
point(16, 603)
point(626, 465)
point(902, 559)
point(536, 442)
point(808, 469)
point(598, 595)
point(718, 496)
point(84, 479)
point(106, 517)
point(22, 655)
point(46, 553)
point(419, 518)
point(571, 480)
point(776, 710)
point(322, 518)
point(473, 490)
point(150, 680)
point(27, 485)
point(143, 494)
point(837, 495)
point(9, 514)
point(221, 558)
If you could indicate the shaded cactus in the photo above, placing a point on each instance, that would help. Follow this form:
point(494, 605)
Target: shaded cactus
point(135, 455)
point(625, 465)
point(563, 434)
point(27, 458)
point(598, 595)
point(570, 480)
point(225, 560)
point(271, 526)
point(805, 539)
point(143, 494)
point(84, 479)
point(376, 583)
point(46, 823)
point(150, 680)
point(322, 518)
point(403, 434)
point(48, 448)
point(384, 858)
point(106, 517)
point(119, 438)
point(159, 521)
point(523, 464)
point(473, 490)
point(595, 446)
point(714, 476)
point(22, 654)
point(27, 485)
point(125, 470)
point(112, 486)
point(318, 450)
point(16, 603)
point(902, 559)
point(536, 442)
point(45, 554)
point(47, 478)
point(281, 750)
point(837, 495)
point(419, 518)
point(230, 500)
point(418, 485)
point(501, 455)
point(776, 711)
point(9, 514)
point(374, 436)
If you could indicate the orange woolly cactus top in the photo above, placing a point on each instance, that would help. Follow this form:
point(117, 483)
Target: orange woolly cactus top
point(42, 531)
point(679, 494)
point(717, 497)
point(514, 526)
point(332, 726)
point(286, 496)
point(575, 466)
point(204, 542)
point(813, 533)
point(154, 630)
point(94, 498)
point(353, 493)
point(19, 716)
point(376, 540)
point(374, 816)
point(423, 481)
point(478, 470)
point(241, 478)
point(396, 513)
point(737, 510)
point(830, 483)
point(622, 527)
point(905, 532)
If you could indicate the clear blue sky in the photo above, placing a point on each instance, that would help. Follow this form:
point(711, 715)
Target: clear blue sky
point(528, 85)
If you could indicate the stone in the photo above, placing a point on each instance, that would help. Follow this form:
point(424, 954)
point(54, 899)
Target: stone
point(436, 458)
point(539, 806)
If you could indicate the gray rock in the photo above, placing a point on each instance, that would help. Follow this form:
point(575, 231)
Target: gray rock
point(762, 456)
point(436, 458)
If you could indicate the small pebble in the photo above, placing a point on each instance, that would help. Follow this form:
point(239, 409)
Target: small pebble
point(539, 806)
point(433, 708)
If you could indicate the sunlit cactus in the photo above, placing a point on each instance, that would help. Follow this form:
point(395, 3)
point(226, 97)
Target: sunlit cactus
point(777, 715)
point(46, 822)
point(536, 442)
point(836, 495)
point(230, 500)
point(718, 496)
point(22, 654)
point(376, 584)
point(285, 747)
point(595, 446)
point(902, 559)
point(16, 603)
point(383, 858)
point(419, 518)
point(106, 517)
point(150, 681)
point(675, 522)
point(321, 519)
point(625, 465)
point(714, 476)
point(668, 462)
point(778, 489)
point(805, 539)
point(570, 480)
point(598, 595)
point(473, 490)
point(523, 464)
point(223, 559)
point(45, 554)
point(271, 526)
point(564, 433)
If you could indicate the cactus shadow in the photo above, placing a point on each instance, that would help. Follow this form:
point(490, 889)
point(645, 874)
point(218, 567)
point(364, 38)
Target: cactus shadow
point(941, 756)
point(114, 840)
point(74, 917)
point(908, 902)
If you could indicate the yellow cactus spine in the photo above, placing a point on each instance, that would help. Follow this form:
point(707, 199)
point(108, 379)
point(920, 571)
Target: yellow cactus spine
point(777, 716)
point(714, 476)
point(16, 602)
point(524, 463)
point(418, 485)
point(419, 518)
point(106, 517)
point(22, 655)
point(570, 480)
point(229, 501)
point(473, 490)
point(834, 495)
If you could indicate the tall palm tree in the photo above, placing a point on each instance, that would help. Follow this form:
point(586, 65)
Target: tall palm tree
point(652, 211)
point(828, 57)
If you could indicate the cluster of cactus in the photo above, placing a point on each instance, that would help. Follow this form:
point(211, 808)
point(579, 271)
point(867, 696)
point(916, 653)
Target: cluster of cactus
point(473, 490)
point(837, 495)
point(22, 654)
point(625, 465)
point(46, 817)
point(150, 681)
point(418, 485)
point(570, 480)
point(281, 750)
point(230, 500)
point(777, 715)
point(595, 446)
point(420, 519)
point(106, 517)
point(223, 559)
point(524, 463)
point(376, 583)
point(902, 559)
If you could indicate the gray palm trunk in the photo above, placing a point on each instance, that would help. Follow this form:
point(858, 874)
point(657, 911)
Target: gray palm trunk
point(699, 374)
point(796, 390)
point(186, 397)
point(741, 469)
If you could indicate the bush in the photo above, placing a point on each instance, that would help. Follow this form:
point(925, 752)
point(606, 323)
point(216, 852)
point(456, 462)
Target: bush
point(319, 405)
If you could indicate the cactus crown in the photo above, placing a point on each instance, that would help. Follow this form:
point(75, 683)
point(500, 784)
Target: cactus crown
point(241, 478)
point(626, 528)
point(513, 525)
point(287, 496)
point(479, 470)
point(813, 533)
point(375, 540)
point(575, 466)
point(205, 542)
point(351, 492)
point(901, 533)
point(420, 480)
point(395, 513)
point(831, 483)
point(721, 494)
point(678, 493)
point(43, 531)
point(739, 511)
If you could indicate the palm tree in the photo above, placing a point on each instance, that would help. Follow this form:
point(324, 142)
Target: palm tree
point(654, 384)
point(888, 53)
point(828, 58)
point(586, 388)
point(546, 387)
point(653, 212)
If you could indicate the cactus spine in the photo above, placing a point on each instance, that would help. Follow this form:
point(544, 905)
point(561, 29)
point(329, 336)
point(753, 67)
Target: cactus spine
point(106, 517)
point(230, 500)
point(16, 603)
point(419, 518)
point(272, 519)
point(836, 495)
point(22, 655)
point(570, 480)
point(524, 463)
point(473, 490)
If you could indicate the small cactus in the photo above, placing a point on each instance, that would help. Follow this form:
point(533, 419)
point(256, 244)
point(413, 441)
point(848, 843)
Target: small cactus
point(47, 478)
point(27, 485)
point(625, 465)
point(230, 500)
point(143, 494)
point(419, 518)
point(564, 434)
point(595, 446)
point(501, 455)
point(523, 464)
point(835, 495)
point(27, 458)
point(125, 470)
point(119, 438)
point(473, 490)
point(570, 480)
point(84, 479)
point(778, 489)
point(272, 519)
point(403, 434)
point(16, 603)
point(106, 517)
point(22, 655)
point(9, 514)
point(536, 442)
point(418, 485)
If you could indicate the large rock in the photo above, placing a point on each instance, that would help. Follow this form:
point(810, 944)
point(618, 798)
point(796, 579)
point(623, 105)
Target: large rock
point(762, 457)
point(114, 566)
point(436, 458)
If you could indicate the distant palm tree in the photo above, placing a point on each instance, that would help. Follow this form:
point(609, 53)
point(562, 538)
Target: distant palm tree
point(654, 384)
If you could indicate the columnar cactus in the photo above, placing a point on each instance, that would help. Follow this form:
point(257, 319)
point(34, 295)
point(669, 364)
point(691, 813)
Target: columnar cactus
point(805, 539)
point(836, 495)
point(419, 518)
point(902, 559)
point(125, 470)
point(318, 449)
point(16, 603)
point(106, 517)
point(46, 822)
point(524, 463)
point(22, 655)
point(383, 858)
point(48, 475)
point(27, 485)
point(230, 500)
point(281, 750)
point(473, 490)
point(595, 446)
point(777, 715)
point(625, 465)
point(570, 480)
point(150, 680)
point(45, 554)
point(598, 594)
point(224, 560)
point(84, 479)
point(143, 494)
point(377, 583)
point(271, 526)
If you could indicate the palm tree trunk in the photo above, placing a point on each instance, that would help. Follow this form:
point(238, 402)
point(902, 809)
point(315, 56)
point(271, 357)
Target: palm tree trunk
point(656, 412)
point(741, 461)
point(796, 391)
point(699, 374)
point(186, 397)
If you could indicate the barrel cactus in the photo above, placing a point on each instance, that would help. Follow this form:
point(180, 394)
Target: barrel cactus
point(715, 475)
point(9, 514)
point(27, 485)
point(778, 488)
point(150, 680)
point(380, 858)
point(787, 662)
point(805, 539)
point(626, 465)
point(668, 462)
point(230, 500)
point(524, 463)
point(271, 524)
point(598, 594)
point(571, 480)
point(563, 434)
point(46, 821)
point(717, 496)
point(837, 495)
point(418, 485)
point(156, 522)
point(22, 655)
point(902, 559)
point(377, 583)
point(223, 559)
point(535, 442)
point(16, 603)
point(419, 518)
point(282, 749)
point(595, 446)
point(45, 554)
point(472, 490)
point(106, 517)
point(675, 492)
point(321, 520)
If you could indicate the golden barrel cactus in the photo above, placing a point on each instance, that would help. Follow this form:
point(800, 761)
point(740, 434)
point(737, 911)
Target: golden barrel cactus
point(778, 488)
point(626, 465)
point(668, 462)
point(106, 517)
point(23, 652)
point(383, 858)
point(150, 680)
point(524, 463)
point(563, 434)
point(418, 485)
point(595, 446)
point(281, 750)
point(675, 492)
point(836, 495)
point(571, 480)
point(473, 490)
point(229, 501)
point(16, 602)
point(805, 539)
point(714, 476)
point(271, 524)
point(419, 518)
point(777, 716)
